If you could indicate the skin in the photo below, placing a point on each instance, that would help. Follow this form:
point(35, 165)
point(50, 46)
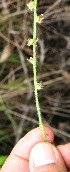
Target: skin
point(20, 159)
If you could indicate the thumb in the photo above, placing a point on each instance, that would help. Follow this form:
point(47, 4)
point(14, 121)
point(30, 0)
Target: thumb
point(44, 157)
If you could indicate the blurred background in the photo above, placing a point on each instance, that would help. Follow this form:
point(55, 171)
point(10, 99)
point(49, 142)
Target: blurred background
point(17, 103)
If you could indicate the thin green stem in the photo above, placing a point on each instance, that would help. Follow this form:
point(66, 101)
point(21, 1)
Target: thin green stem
point(34, 71)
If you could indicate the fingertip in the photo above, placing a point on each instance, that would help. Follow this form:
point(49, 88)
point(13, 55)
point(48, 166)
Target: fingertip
point(65, 152)
point(49, 133)
point(45, 157)
point(33, 137)
point(15, 164)
point(20, 154)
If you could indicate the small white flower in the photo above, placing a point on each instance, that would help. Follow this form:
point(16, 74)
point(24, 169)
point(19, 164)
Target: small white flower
point(39, 19)
point(31, 41)
point(40, 85)
point(31, 60)
point(31, 5)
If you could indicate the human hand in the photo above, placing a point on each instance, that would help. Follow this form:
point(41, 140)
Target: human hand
point(32, 154)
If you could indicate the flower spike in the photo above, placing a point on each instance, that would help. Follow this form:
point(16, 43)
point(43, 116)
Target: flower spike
point(37, 86)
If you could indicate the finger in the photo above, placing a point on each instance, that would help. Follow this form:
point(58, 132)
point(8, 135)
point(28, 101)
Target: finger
point(44, 157)
point(15, 164)
point(65, 151)
point(19, 156)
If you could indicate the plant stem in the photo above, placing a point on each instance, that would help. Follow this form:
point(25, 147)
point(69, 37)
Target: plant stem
point(34, 71)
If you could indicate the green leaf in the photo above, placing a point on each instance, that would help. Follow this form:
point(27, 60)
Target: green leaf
point(2, 159)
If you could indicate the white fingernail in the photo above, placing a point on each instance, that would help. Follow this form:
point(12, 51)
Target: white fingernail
point(43, 154)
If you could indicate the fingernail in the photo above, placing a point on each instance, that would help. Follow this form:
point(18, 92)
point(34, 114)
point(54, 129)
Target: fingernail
point(43, 154)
